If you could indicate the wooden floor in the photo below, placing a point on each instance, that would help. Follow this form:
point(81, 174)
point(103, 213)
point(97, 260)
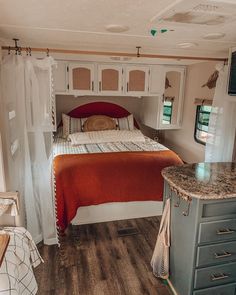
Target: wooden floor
point(94, 260)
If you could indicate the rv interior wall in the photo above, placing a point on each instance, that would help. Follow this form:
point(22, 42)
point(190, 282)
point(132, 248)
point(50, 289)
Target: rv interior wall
point(182, 141)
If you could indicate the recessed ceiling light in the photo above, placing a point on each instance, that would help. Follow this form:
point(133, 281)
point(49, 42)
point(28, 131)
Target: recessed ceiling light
point(117, 28)
point(213, 36)
point(187, 44)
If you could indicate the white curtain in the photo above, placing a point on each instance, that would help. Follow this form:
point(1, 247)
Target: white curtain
point(27, 89)
point(222, 124)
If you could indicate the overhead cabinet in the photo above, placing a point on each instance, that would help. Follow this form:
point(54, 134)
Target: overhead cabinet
point(60, 78)
point(160, 86)
point(110, 79)
point(137, 80)
point(163, 110)
point(107, 79)
point(81, 78)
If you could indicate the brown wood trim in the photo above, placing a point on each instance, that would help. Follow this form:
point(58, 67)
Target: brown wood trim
point(108, 53)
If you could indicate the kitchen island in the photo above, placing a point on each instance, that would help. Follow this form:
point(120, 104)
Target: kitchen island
point(203, 228)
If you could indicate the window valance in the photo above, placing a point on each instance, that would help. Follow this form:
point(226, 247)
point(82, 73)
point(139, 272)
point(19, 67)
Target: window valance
point(203, 101)
point(169, 98)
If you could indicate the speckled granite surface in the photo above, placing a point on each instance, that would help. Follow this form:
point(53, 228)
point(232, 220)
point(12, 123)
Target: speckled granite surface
point(203, 180)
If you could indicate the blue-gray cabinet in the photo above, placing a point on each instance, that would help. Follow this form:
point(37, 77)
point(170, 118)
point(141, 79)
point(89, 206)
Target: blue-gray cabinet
point(203, 245)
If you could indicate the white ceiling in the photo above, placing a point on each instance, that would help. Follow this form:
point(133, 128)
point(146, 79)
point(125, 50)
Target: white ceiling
point(80, 24)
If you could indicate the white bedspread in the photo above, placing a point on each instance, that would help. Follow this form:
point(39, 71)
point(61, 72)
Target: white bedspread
point(62, 147)
point(16, 273)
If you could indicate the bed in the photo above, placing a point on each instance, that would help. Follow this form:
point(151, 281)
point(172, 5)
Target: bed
point(99, 182)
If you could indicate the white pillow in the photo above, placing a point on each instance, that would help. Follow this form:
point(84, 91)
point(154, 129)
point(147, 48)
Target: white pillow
point(72, 125)
point(125, 123)
point(104, 136)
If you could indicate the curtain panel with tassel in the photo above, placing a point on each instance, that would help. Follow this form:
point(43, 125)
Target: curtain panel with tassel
point(27, 90)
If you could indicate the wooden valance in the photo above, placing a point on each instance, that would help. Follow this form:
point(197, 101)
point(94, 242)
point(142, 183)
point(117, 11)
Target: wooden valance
point(203, 101)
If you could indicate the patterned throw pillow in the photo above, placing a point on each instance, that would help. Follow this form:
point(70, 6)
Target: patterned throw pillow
point(72, 125)
point(125, 123)
point(98, 123)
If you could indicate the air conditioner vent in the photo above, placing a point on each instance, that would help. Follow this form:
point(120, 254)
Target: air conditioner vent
point(196, 18)
point(206, 8)
point(198, 12)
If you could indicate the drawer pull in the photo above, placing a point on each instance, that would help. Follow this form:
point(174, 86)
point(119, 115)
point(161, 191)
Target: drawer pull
point(219, 276)
point(224, 231)
point(223, 255)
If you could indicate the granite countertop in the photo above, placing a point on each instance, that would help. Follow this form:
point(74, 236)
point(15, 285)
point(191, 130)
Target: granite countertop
point(203, 180)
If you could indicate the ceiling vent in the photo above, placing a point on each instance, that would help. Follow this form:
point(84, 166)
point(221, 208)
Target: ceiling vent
point(204, 12)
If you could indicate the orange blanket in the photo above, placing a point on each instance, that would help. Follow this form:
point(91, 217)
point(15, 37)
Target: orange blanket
point(91, 179)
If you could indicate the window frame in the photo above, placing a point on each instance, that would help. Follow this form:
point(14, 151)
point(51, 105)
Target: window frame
point(196, 123)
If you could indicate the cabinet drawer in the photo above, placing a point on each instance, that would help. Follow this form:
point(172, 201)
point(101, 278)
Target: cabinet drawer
point(220, 290)
point(217, 231)
point(215, 275)
point(218, 253)
point(220, 208)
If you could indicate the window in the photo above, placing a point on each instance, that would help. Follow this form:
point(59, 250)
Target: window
point(201, 124)
point(167, 112)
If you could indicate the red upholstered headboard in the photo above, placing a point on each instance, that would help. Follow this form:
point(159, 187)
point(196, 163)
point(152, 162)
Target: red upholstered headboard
point(100, 108)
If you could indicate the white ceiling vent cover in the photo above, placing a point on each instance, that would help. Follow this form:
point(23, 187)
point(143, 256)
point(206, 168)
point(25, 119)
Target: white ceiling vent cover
point(201, 12)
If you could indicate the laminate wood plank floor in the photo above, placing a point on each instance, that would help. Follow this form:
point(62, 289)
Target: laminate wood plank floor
point(94, 260)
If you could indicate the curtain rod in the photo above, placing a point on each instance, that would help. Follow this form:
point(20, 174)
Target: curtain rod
point(108, 53)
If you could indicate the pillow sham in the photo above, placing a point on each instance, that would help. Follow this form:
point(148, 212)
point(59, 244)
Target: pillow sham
point(98, 123)
point(72, 125)
point(105, 136)
point(125, 123)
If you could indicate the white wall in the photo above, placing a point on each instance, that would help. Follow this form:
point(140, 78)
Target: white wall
point(182, 141)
